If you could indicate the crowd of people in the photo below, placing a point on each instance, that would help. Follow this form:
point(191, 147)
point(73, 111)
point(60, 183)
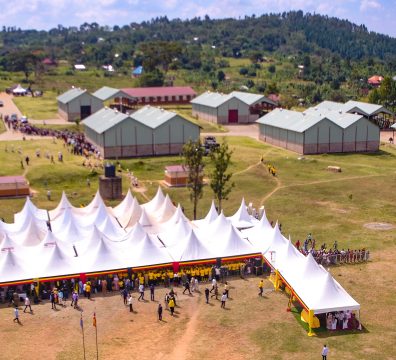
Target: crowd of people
point(340, 320)
point(331, 256)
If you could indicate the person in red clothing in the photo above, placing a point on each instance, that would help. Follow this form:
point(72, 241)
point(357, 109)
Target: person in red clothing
point(298, 244)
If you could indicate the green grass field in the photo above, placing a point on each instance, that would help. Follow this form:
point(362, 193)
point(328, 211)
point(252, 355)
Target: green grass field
point(38, 108)
point(304, 197)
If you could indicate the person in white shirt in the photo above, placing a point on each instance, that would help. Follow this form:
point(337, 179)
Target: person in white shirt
point(325, 351)
point(223, 300)
point(141, 291)
point(27, 304)
point(130, 302)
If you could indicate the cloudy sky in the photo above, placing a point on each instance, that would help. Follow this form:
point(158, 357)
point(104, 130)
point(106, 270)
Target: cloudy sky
point(377, 15)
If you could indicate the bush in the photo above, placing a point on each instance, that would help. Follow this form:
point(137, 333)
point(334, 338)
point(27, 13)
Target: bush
point(243, 71)
point(69, 72)
point(272, 69)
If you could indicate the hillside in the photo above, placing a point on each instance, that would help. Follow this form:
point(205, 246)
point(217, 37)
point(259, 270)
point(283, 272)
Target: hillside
point(260, 53)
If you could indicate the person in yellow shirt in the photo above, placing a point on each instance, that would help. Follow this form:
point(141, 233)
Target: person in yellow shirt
point(261, 287)
point(172, 305)
point(88, 290)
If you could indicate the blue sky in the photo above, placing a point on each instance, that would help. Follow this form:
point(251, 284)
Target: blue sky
point(377, 15)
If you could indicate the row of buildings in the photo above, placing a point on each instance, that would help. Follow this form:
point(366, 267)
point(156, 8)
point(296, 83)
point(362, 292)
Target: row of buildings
point(329, 127)
point(134, 124)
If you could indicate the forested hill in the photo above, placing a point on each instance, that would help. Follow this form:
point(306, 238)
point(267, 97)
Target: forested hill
point(286, 33)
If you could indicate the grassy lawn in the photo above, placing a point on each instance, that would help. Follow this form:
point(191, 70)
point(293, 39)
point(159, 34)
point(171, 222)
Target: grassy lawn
point(38, 108)
point(304, 197)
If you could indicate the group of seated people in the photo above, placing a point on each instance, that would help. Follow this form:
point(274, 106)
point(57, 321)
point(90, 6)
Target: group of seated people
point(341, 320)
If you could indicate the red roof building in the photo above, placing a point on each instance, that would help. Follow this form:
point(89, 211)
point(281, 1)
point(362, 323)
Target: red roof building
point(375, 80)
point(161, 95)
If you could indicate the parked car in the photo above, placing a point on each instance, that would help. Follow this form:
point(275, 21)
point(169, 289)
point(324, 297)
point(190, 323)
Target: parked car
point(24, 120)
point(14, 117)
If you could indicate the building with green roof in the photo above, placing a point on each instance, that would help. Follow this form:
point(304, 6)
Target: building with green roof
point(149, 131)
point(317, 131)
point(237, 107)
point(77, 104)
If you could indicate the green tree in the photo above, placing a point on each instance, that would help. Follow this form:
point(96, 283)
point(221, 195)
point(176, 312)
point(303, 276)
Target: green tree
point(220, 76)
point(193, 153)
point(152, 78)
point(219, 178)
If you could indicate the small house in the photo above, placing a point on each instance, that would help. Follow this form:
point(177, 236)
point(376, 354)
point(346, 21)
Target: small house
point(14, 186)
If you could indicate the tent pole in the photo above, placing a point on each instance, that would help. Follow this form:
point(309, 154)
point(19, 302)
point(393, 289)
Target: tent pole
point(310, 322)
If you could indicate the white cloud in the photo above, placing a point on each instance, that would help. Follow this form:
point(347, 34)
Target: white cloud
point(366, 5)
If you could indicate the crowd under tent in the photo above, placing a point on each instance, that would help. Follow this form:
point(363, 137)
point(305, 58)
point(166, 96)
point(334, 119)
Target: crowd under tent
point(96, 243)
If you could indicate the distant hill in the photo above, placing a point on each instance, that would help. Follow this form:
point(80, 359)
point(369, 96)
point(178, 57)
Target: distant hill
point(286, 33)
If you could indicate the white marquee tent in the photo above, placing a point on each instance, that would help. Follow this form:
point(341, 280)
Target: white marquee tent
point(154, 234)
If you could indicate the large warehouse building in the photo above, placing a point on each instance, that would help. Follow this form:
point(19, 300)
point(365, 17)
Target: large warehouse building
point(148, 131)
point(376, 113)
point(234, 108)
point(77, 104)
point(314, 132)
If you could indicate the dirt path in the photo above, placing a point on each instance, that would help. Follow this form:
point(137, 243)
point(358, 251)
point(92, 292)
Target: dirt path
point(185, 341)
point(280, 186)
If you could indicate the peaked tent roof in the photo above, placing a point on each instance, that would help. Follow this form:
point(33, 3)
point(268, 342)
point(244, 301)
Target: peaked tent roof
point(210, 216)
point(63, 204)
point(156, 202)
point(242, 219)
point(191, 247)
point(29, 209)
point(12, 267)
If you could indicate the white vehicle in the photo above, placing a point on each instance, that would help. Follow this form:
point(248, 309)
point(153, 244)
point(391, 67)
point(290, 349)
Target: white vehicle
point(24, 120)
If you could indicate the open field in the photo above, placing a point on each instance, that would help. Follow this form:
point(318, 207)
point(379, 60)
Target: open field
point(304, 197)
point(38, 108)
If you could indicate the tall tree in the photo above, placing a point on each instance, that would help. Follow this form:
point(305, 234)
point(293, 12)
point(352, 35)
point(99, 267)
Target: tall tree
point(193, 154)
point(219, 178)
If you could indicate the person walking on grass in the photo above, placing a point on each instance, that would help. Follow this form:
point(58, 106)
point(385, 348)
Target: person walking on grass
point(261, 287)
point(325, 351)
point(16, 315)
point(172, 305)
point(159, 312)
point(141, 291)
point(130, 302)
point(27, 305)
point(223, 300)
point(207, 295)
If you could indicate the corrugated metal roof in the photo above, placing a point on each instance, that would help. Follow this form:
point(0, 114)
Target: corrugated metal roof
point(106, 93)
point(104, 119)
point(152, 116)
point(365, 108)
point(325, 106)
point(149, 116)
point(160, 91)
point(70, 95)
point(211, 99)
point(214, 99)
point(300, 122)
point(250, 99)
